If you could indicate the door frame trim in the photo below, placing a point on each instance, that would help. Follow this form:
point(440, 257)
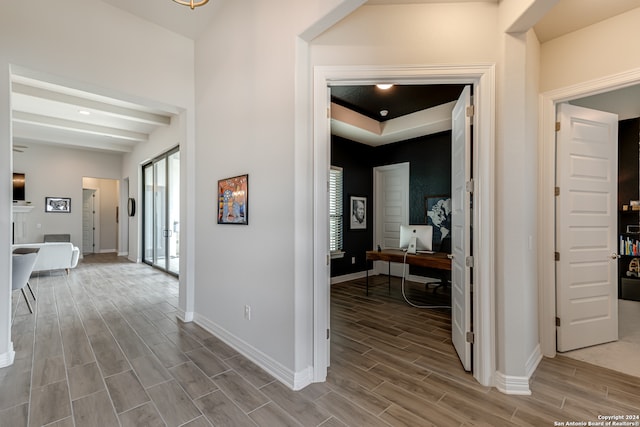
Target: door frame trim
point(546, 183)
point(482, 77)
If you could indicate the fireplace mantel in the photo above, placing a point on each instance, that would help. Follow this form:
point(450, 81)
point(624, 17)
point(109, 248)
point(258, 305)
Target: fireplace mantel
point(22, 208)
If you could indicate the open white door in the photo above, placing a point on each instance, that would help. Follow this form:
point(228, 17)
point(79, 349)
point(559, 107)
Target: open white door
point(586, 237)
point(460, 227)
point(391, 207)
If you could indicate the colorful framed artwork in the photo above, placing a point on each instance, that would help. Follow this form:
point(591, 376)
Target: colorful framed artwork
point(233, 200)
point(57, 204)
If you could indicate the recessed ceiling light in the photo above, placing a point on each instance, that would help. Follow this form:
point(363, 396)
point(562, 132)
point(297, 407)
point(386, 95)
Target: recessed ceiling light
point(384, 113)
point(84, 112)
point(384, 86)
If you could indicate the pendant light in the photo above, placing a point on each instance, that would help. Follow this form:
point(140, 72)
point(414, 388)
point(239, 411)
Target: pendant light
point(192, 3)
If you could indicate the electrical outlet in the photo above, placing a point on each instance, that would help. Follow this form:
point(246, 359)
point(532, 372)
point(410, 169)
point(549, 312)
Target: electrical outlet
point(247, 312)
point(353, 260)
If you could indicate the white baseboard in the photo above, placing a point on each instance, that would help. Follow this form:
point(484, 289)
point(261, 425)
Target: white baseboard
point(351, 276)
point(123, 253)
point(293, 380)
point(185, 316)
point(510, 384)
point(6, 358)
point(533, 361)
point(107, 251)
point(361, 274)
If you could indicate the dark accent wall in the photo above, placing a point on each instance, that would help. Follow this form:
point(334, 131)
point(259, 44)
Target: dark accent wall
point(430, 174)
point(430, 170)
point(356, 161)
point(628, 163)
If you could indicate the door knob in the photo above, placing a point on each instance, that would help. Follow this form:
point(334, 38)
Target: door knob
point(615, 256)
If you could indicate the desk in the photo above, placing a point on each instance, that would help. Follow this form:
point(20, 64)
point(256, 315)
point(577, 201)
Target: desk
point(438, 260)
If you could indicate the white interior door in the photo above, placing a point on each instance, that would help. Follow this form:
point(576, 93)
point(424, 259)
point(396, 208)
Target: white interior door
point(391, 209)
point(586, 223)
point(460, 227)
point(88, 221)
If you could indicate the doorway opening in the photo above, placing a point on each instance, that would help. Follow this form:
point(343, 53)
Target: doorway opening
point(621, 82)
point(618, 293)
point(100, 222)
point(481, 80)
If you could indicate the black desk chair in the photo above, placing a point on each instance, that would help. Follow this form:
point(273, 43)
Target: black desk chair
point(23, 260)
point(445, 276)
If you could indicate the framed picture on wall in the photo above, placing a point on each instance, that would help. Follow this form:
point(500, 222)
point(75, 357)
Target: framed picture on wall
point(233, 200)
point(57, 204)
point(438, 214)
point(358, 208)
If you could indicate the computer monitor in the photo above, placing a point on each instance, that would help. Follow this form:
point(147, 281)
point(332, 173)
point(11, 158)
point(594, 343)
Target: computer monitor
point(423, 235)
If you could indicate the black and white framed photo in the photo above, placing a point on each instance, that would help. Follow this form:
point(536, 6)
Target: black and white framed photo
point(358, 207)
point(57, 204)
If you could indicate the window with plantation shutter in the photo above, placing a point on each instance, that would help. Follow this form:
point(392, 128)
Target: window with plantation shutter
point(336, 204)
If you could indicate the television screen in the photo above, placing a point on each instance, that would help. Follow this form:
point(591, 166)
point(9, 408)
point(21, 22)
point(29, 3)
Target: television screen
point(18, 186)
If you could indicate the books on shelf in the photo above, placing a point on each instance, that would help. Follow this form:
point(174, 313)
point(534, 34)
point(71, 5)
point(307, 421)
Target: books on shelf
point(629, 246)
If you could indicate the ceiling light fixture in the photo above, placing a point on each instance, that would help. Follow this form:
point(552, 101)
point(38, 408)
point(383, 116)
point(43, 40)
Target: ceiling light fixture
point(384, 86)
point(192, 3)
point(84, 112)
point(384, 113)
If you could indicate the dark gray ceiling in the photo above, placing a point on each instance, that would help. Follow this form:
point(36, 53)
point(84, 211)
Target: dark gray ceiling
point(399, 100)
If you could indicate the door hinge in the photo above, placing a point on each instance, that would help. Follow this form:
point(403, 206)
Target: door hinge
point(469, 261)
point(327, 333)
point(556, 191)
point(469, 186)
point(557, 321)
point(470, 111)
point(557, 126)
point(470, 337)
point(328, 113)
point(556, 256)
point(328, 259)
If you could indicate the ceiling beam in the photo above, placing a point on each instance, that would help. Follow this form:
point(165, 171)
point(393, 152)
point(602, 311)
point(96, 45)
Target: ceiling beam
point(77, 127)
point(108, 109)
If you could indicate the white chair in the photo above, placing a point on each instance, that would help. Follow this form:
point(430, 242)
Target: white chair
point(22, 267)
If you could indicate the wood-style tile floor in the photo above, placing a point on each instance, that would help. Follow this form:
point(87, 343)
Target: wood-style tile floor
point(104, 348)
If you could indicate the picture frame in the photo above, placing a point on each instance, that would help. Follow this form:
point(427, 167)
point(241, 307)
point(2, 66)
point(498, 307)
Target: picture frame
point(358, 213)
point(437, 210)
point(233, 200)
point(57, 204)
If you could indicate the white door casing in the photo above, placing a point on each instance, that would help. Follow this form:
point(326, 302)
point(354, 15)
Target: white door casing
point(460, 226)
point(482, 76)
point(586, 227)
point(391, 208)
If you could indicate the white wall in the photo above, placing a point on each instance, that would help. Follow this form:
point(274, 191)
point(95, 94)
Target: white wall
point(93, 45)
point(246, 123)
point(412, 34)
point(603, 49)
point(58, 172)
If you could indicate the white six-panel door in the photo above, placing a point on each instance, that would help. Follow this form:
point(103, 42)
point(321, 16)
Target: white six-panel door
point(391, 186)
point(460, 228)
point(586, 227)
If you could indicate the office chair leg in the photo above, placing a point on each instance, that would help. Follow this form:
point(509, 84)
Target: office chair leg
point(26, 300)
point(31, 290)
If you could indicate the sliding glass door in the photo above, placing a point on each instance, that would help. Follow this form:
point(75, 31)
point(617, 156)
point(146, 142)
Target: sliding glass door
point(161, 216)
